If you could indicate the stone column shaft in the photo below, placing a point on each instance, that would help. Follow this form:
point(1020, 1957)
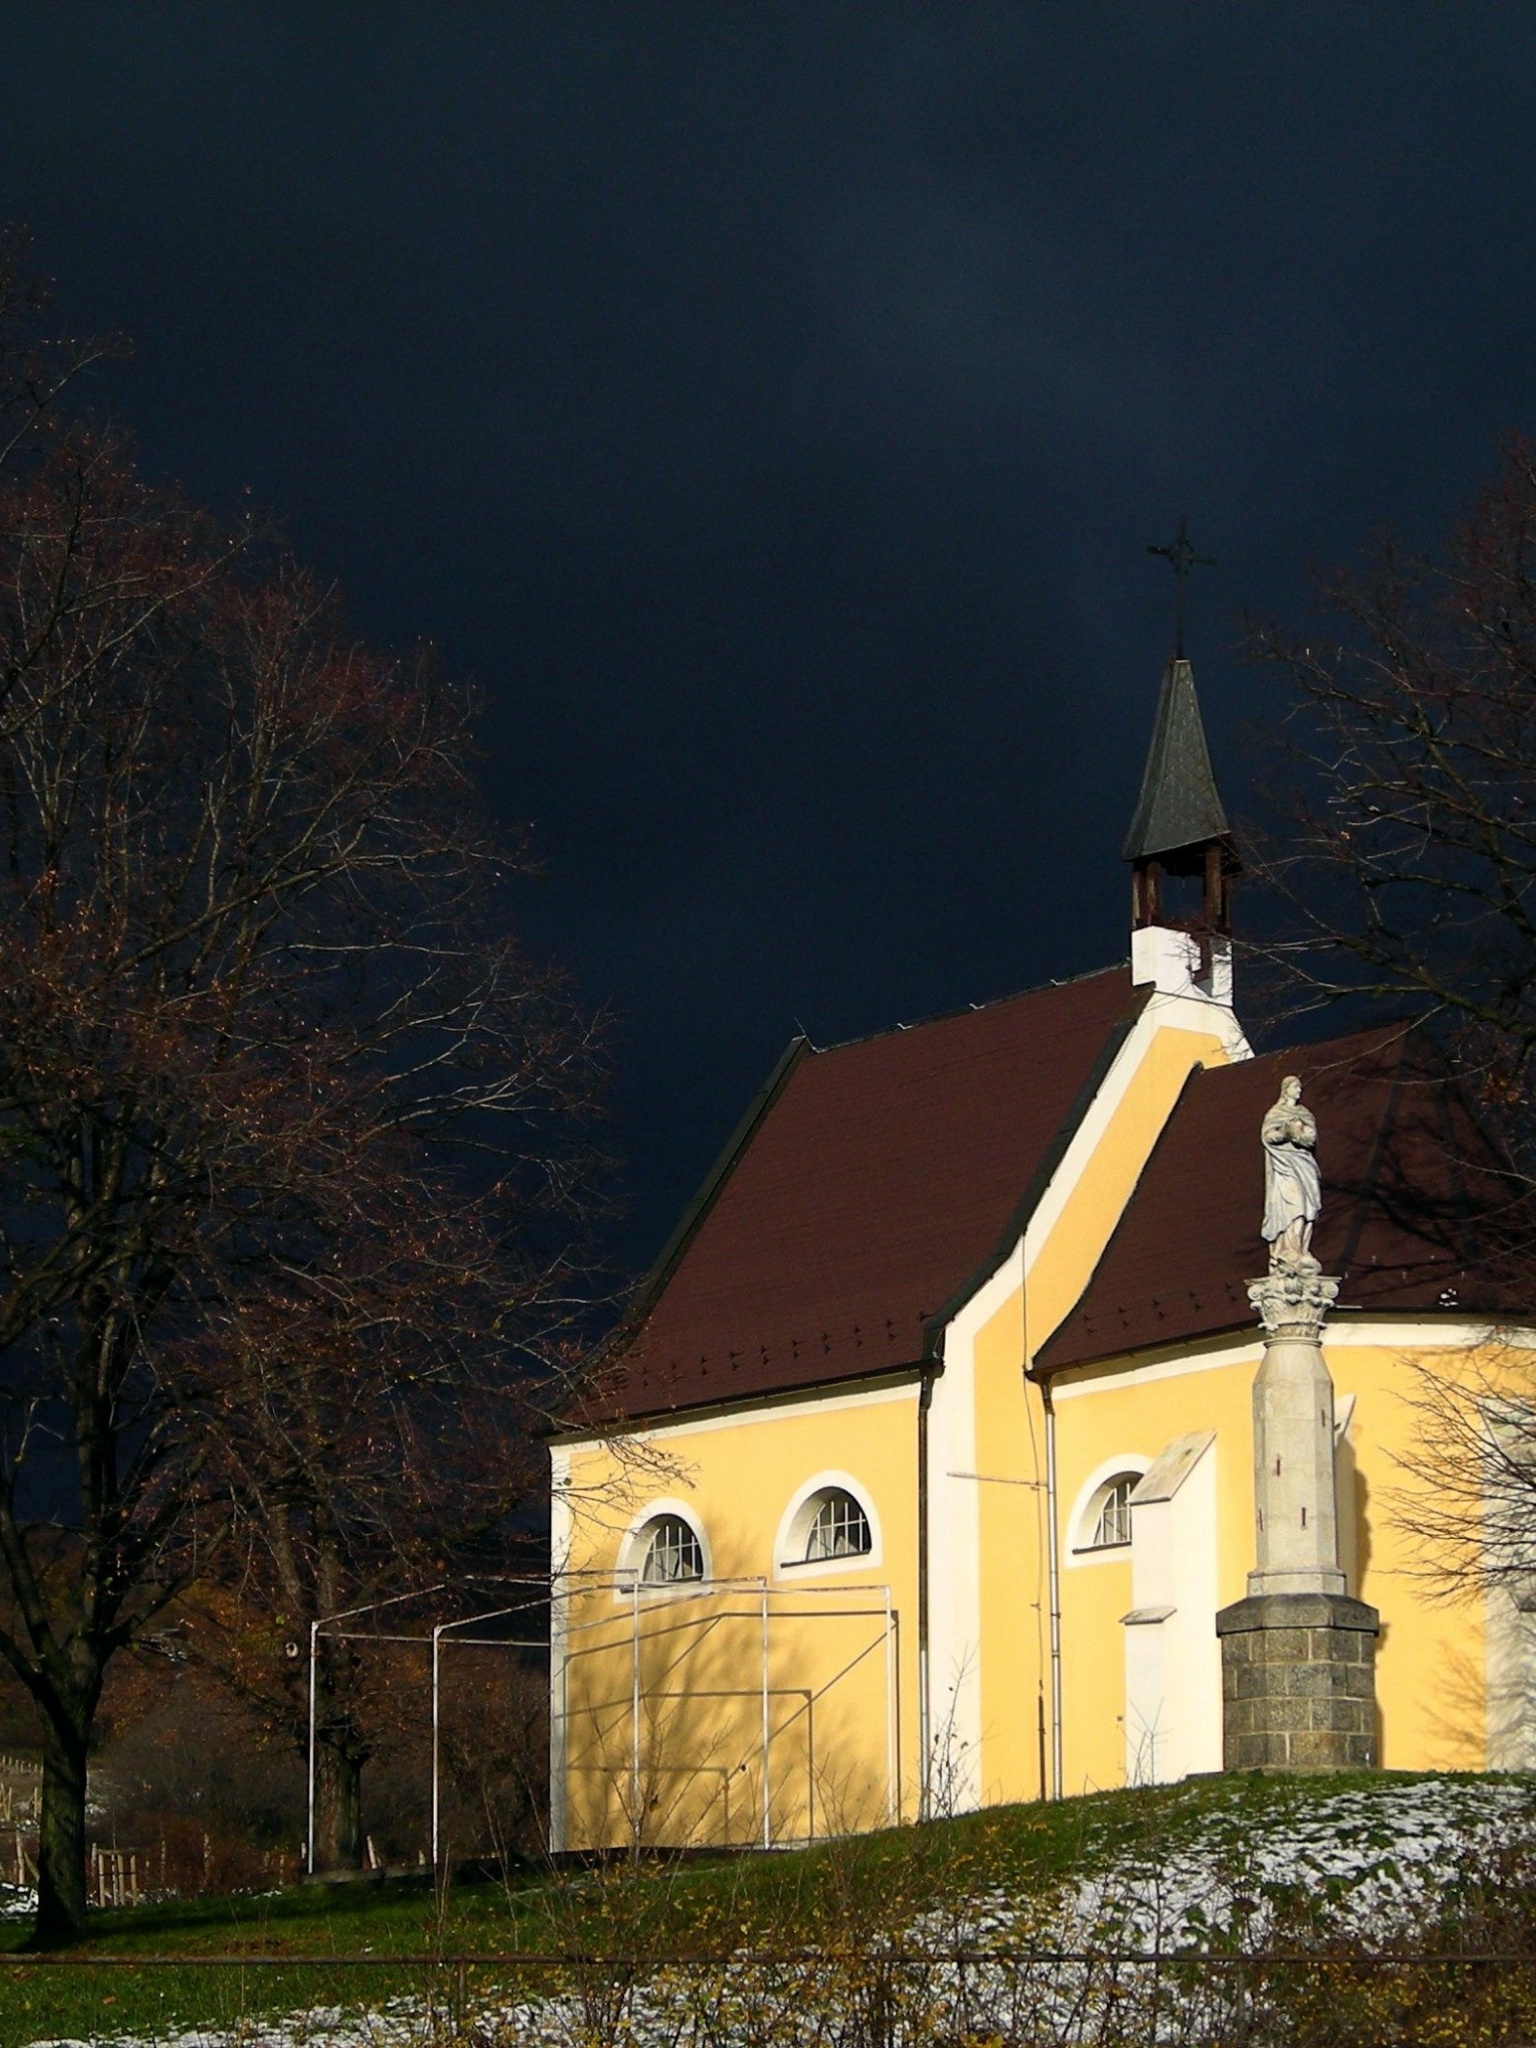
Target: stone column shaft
point(1295, 1493)
point(1298, 1656)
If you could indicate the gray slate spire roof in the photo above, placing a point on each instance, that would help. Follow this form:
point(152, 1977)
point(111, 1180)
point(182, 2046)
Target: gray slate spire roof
point(1178, 806)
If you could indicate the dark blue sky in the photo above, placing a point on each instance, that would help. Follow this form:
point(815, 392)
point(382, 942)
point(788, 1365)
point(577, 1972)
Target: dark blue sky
point(770, 405)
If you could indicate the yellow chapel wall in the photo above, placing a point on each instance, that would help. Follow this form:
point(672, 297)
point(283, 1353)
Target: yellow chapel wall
point(1014, 1605)
point(1112, 1148)
point(1113, 1418)
point(1431, 1655)
point(846, 1634)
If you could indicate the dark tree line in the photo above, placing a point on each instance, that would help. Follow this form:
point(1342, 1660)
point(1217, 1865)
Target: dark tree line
point(290, 1177)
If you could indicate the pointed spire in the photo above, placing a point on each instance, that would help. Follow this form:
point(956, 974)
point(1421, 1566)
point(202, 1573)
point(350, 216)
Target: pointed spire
point(1179, 809)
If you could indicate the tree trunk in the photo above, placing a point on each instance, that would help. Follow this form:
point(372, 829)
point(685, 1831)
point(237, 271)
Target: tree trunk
point(338, 1805)
point(61, 1884)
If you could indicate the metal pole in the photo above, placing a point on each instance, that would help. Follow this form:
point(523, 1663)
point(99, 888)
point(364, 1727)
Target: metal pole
point(559, 1694)
point(634, 1709)
point(1053, 1564)
point(309, 1837)
point(924, 1705)
point(892, 1761)
point(437, 1636)
point(767, 1812)
point(1040, 1732)
point(810, 1765)
point(565, 1730)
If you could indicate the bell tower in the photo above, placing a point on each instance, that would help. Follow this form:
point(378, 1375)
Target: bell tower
point(1180, 847)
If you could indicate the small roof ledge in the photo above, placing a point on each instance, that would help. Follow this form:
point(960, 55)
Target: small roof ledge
point(1171, 1467)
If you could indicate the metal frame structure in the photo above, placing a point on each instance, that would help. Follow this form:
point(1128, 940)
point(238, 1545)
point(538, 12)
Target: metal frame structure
point(627, 1586)
point(751, 1599)
point(431, 1639)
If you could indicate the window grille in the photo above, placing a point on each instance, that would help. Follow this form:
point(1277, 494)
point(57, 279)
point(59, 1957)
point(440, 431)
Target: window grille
point(672, 1554)
point(840, 1529)
point(1114, 1524)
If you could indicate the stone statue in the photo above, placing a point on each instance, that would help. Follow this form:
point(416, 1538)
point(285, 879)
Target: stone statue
point(1293, 1188)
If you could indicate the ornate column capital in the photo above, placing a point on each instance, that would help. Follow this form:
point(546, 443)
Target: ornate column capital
point(1293, 1298)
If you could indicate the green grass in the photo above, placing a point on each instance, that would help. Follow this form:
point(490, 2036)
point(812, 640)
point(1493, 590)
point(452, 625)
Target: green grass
point(846, 1892)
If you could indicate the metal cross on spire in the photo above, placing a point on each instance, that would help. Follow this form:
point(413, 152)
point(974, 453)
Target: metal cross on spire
point(1181, 553)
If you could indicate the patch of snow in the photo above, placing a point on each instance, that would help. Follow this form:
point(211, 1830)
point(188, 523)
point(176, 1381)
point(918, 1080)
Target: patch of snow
point(1380, 1858)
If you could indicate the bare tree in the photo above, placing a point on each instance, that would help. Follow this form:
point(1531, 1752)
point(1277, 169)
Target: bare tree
point(270, 1066)
point(1406, 859)
point(1405, 872)
point(377, 1439)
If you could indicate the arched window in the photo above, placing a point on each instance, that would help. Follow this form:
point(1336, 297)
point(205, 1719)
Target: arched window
point(1112, 1525)
point(839, 1528)
point(670, 1552)
point(828, 1523)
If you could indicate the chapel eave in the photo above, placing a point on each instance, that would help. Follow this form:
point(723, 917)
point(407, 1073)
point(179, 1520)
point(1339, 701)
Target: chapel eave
point(638, 1421)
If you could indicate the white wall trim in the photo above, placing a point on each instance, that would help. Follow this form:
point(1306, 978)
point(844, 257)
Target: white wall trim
point(954, 1548)
point(1075, 1381)
point(749, 1412)
point(1096, 1379)
point(1173, 1668)
point(789, 1568)
point(1178, 1013)
point(955, 1646)
point(1340, 1332)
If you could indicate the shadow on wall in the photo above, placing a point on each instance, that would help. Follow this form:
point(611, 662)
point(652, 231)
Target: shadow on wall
point(1354, 1520)
point(677, 1736)
point(1456, 1712)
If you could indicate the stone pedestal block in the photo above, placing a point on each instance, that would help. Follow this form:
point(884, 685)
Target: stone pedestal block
point(1298, 1683)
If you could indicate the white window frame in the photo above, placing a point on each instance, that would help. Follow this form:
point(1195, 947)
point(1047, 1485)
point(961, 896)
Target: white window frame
point(1080, 1548)
point(1114, 1534)
point(635, 1543)
point(789, 1544)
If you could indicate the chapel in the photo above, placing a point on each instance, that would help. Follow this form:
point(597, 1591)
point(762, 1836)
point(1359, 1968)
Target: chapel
point(1021, 1408)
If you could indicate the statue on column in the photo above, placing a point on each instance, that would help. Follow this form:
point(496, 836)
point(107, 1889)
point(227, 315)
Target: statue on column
point(1298, 1655)
point(1293, 1188)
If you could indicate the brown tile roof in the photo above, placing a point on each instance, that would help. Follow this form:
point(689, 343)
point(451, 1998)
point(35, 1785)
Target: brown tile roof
point(870, 1184)
point(1407, 1222)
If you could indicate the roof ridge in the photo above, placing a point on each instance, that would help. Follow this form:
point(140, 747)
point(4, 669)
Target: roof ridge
point(1017, 995)
point(1379, 1036)
point(1045, 1171)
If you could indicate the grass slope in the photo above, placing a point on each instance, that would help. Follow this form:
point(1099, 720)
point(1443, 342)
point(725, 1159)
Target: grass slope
point(835, 1894)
